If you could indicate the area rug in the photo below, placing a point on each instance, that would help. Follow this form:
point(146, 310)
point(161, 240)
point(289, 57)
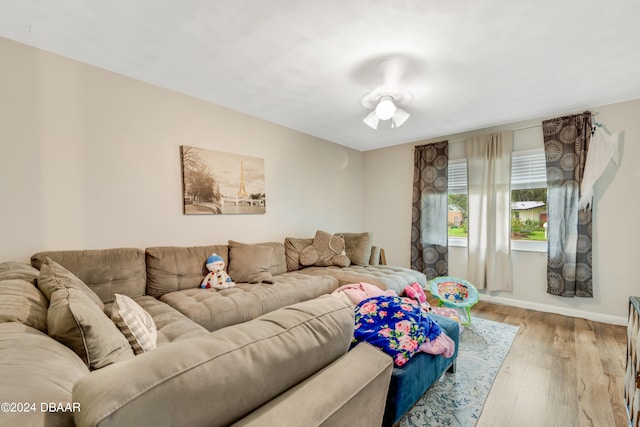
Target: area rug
point(457, 399)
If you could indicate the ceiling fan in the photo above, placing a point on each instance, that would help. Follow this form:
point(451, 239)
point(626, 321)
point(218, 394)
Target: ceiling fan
point(385, 100)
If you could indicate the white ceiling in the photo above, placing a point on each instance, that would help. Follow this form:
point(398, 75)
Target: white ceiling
point(307, 64)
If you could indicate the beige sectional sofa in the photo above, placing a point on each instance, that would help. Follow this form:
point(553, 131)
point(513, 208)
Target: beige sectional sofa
point(274, 352)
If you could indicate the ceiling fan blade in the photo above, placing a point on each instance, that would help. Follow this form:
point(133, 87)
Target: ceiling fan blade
point(392, 70)
point(372, 120)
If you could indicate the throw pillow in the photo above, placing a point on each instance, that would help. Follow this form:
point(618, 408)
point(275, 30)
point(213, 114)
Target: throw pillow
point(327, 249)
point(249, 263)
point(358, 247)
point(18, 270)
point(292, 247)
point(77, 322)
point(22, 302)
point(53, 277)
point(135, 323)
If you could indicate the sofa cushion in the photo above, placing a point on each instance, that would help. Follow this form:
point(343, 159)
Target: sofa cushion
point(358, 247)
point(173, 268)
point(292, 247)
point(218, 378)
point(22, 302)
point(105, 271)
point(250, 263)
point(170, 323)
point(134, 323)
point(79, 323)
point(26, 379)
point(215, 309)
point(278, 258)
point(53, 277)
point(18, 270)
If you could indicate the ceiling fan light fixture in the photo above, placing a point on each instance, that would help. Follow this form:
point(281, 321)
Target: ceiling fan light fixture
point(383, 105)
point(385, 108)
point(372, 120)
point(399, 117)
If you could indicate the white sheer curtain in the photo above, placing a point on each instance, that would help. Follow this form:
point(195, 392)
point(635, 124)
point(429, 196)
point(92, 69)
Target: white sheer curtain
point(489, 210)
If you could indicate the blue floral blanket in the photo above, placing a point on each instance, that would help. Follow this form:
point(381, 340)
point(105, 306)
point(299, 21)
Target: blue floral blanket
point(396, 325)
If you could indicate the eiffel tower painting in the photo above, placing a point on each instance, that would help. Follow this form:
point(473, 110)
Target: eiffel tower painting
point(242, 192)
point(211, 183)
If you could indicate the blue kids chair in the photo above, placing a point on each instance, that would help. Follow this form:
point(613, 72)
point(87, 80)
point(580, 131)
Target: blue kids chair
point(455, 293)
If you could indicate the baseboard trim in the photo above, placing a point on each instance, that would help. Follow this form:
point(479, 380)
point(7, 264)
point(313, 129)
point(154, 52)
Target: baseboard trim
point(596, 317)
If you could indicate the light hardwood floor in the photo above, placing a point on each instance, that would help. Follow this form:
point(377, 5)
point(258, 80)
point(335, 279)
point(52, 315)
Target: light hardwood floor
point(561, 371)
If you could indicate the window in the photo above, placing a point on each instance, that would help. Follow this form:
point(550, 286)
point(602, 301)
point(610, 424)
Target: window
point(457, 199)
point(528, 197)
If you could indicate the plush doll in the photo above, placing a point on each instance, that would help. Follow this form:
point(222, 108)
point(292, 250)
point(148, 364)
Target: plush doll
point(217, 276)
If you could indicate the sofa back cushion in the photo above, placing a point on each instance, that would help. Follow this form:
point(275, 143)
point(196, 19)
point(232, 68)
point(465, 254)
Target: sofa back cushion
point(105, 271)
point(292, 247)
point(250, 263)
point(247, 364)
point(278, 258)
point(277, 263)
point(53, 277)
point(358, 247)
point(173, 268)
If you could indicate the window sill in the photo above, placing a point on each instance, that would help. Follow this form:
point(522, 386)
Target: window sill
point(460, 242)
point(529, 245)
point(516, 245)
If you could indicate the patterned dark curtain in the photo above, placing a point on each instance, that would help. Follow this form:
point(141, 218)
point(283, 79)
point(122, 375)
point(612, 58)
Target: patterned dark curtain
point(566, 142)
point(429, 234)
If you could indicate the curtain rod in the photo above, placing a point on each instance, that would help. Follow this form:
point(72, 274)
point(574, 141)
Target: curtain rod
point(513, 130)
point(528, 127)
point(540, 124)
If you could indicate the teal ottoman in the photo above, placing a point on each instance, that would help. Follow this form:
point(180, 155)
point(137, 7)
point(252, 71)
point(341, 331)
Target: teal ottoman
point(413, 379)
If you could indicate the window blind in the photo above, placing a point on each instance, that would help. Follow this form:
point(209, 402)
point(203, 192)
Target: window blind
point(528, 171)
point(457, 177)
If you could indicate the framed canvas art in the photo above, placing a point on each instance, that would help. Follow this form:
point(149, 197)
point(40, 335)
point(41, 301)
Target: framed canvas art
point(219, 183)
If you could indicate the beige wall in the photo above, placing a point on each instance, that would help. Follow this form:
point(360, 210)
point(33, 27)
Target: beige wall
point(388, 176)
point(90, 159)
